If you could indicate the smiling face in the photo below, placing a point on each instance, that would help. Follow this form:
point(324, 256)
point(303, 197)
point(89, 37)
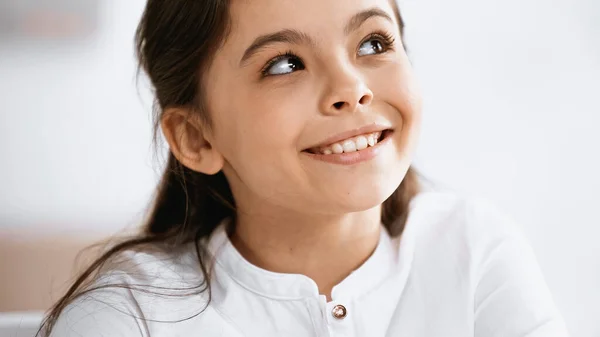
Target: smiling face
point(295, 84)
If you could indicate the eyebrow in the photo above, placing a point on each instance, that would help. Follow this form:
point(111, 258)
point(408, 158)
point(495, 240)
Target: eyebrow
point(294, 36)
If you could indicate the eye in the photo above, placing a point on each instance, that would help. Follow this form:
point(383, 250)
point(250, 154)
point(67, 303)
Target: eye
point(283, 64)
point(376, 43)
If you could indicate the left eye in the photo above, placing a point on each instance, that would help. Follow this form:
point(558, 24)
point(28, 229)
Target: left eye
point(372, 47)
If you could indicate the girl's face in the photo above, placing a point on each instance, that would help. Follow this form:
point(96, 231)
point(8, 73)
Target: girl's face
point(295, 82)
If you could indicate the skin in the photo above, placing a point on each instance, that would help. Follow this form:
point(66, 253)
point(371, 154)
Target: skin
point(297, 214)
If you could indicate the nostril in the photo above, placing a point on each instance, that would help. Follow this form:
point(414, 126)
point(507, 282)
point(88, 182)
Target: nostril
point(338, 105)
point(366, 99)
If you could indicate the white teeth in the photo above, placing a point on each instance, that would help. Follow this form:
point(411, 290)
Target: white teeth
point(371, 140)
point(337, 148)
point(351, 145)
point(361, 143)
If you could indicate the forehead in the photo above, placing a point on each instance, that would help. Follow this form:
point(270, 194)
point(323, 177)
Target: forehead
point(319, 18)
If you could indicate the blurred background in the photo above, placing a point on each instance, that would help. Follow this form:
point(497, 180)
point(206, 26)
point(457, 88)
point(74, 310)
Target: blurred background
point(512, 108)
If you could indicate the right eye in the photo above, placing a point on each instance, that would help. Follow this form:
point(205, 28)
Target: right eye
point(283, 64)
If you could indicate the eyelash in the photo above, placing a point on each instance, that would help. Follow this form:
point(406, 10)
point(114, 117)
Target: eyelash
point(386, 38)
point(276, 59)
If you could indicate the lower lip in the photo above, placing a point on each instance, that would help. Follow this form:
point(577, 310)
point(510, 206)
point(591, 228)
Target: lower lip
point(356, 157)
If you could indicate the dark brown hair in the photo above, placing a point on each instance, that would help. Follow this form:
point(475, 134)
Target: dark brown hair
point(175, 42)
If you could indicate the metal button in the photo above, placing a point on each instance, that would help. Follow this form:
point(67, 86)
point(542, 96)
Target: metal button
point(339, 311)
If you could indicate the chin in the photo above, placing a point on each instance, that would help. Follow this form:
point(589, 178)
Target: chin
point(367, 194)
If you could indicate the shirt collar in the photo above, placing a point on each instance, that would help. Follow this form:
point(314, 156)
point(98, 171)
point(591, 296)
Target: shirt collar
point(296, 286)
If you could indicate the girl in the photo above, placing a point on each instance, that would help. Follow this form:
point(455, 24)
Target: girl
point(288, 206)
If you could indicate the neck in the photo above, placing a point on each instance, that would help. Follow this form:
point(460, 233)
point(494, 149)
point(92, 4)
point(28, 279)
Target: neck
point(326, 248)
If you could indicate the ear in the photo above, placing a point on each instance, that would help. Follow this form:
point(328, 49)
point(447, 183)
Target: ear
point(187, 139)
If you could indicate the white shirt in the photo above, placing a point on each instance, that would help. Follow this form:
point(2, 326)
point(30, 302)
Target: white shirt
point(460, 268)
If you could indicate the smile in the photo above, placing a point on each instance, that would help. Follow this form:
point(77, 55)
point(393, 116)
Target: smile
point(353, 144)
point(352, 150)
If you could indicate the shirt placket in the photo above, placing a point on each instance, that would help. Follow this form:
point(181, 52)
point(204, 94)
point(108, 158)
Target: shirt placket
point(338, 317)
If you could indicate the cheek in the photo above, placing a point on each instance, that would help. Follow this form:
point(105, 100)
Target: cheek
point(260, 137)
point(396, 85)
point(270, 122)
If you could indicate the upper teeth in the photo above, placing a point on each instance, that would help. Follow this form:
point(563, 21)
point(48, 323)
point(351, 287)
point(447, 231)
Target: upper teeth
point(351, 144)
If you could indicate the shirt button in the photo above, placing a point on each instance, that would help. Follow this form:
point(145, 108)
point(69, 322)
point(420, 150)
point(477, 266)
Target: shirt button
point(339, 311)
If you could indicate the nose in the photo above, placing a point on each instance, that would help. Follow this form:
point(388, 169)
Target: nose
point(346, 92)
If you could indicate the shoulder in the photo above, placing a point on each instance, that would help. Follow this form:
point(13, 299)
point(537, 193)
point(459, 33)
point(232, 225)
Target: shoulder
point(134, 293)
point(482, 254)
point(469, 219)
point(461, 232)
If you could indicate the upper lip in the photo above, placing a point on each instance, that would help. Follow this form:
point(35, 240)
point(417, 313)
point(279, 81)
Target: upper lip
point(351, 133)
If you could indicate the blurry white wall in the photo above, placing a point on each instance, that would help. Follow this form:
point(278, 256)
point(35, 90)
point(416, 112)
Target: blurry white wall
point(511, 92)
point(75, 132)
